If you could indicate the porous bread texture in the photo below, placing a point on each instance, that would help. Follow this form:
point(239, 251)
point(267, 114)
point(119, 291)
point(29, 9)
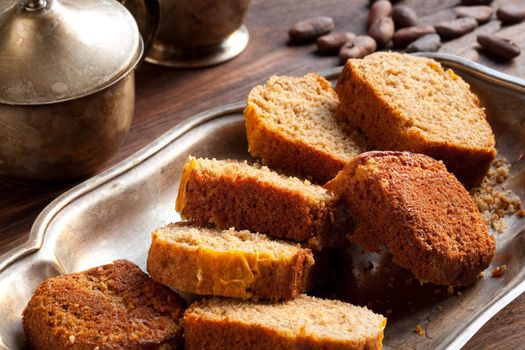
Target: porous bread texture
point(411, 204)
point(252, 197)
point(407, 103)
point(305, 322)
point(114, 306)
point(292, 125)
point(231, 263)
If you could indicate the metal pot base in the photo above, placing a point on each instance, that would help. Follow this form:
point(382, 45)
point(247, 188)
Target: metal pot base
point(202, 57)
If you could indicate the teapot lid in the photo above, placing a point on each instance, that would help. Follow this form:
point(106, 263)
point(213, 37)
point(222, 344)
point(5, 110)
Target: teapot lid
point(58, 50)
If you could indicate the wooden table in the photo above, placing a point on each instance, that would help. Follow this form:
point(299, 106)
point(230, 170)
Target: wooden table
point(165, 97)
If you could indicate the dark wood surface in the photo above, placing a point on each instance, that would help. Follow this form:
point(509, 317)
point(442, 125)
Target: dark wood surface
point(166, 97)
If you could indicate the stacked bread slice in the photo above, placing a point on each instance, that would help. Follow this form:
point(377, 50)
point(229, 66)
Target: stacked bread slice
point(411, 204)
point(218, 252)
point(264, 280)
point(303, 323)
point(409, 103)
point(250, 233)
point(292, 124)
point(407, 202)
point(241, 264)
point(252, 197)
point(113, 306)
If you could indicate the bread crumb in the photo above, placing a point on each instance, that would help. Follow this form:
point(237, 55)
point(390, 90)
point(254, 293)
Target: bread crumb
point(450, 289)
point(72, 339)
point(493, 200)
point(499, 271)
point(419, 330)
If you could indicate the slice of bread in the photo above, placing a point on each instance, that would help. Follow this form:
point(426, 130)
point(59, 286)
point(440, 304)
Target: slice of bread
point(408, 103)
point(234, 194)
point(411, 204)
point(114, 306)
point(303, 323)
point(228, 263)
point(292, 124)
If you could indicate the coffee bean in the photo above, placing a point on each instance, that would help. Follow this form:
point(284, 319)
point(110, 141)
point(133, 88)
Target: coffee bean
point(476, 2)
point(456, 27)
point(405, 36)
point(332, 43)
point(481, 14)
point(382, 30)
point(310, 29)
point(379, 9)
point(404, 16)
point(362, 45)
point(427, 43)
point(501, 47)
point(511, 13)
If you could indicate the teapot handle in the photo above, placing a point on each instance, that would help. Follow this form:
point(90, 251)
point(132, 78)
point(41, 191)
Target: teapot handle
point(147, 16)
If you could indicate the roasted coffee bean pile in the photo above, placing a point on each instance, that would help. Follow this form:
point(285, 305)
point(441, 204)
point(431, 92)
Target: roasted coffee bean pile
point(398, 26)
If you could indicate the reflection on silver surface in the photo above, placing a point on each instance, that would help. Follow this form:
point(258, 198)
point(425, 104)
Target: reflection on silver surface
point(65, 140)
point(199, 33)
point(65, 50)
point(200, 57)
point(111, 216)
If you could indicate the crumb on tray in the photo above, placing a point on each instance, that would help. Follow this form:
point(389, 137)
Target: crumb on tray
point(499, 271)
point(493, 200)
point(419, 330)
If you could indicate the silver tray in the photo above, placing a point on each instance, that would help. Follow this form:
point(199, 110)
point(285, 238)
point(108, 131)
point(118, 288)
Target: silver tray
point(111, 215)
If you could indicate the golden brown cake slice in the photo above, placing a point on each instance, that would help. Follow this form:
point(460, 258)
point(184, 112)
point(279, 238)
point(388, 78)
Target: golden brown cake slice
point(115, 306)
point(411, 204)
point(292, 124)
point(231, 263)
point(252, 197)
point(408, 103)
point(303, 323)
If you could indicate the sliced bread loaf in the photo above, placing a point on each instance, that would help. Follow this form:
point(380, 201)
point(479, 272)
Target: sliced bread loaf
point(303, 323)
point(292, 124)
point(229, 263)
point(115, 306)
point(408, 103)
point(411, 204)
point(235, 194)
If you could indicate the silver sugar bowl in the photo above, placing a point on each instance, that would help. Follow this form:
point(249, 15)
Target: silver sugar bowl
point(67, 87)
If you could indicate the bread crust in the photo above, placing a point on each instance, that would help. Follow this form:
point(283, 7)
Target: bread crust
point(231, 273)
point(386, 129)
point(202, 333)
point(107, 307)
point(411, 204)
point(231, 200)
